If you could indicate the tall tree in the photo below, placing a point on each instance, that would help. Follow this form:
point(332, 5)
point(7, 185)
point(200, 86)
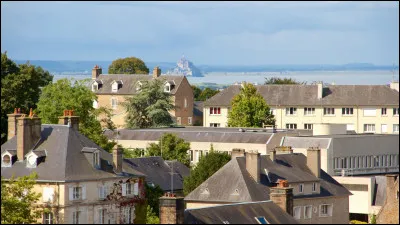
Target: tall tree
point(150, 107)
point(129, 65)
point(18, 199)
point(64, 94)
point(204, 169)
point(207, 93)
point(153, 195)
point(196, 92)
point(277, 80)
point(249, 109)
point(170, 147)
point(20, 88)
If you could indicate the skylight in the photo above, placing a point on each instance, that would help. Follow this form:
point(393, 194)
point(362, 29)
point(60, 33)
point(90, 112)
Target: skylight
point(261, 220)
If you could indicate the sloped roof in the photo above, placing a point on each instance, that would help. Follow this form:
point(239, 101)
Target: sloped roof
point(65, 160)
point(240, 213)
point(198, 108)
point(306, 95)
point(306, 142)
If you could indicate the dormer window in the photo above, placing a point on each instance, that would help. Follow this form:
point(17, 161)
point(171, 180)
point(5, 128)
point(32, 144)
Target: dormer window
point(8, 158)
point(96, 159)
point(168, 86)
point(32, 161)
point(34, 158)
point(115, 85)
point(6, 161)
point(138, 86)
point(95, 87)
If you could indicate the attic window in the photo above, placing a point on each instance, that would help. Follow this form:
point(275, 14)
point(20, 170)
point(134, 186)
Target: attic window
point(138, 86)
point(95, 87)
point(96, 160)
point(6, 161)
point(116, 85)
point(167, 87)
point(261, 220)
point(225, 222)
point(31, 162)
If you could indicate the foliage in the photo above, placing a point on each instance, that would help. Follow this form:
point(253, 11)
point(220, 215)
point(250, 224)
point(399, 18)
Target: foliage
point(204, 169)
point(18, 199)
point(372, 219)
point(207, 93)
point(20, 88)
point(129, 65)
point(196, 92)
point(152, 218)
point(64, 94)
point(140, 212)
point(249, 109)
point(277, 80)
point(172, 148)
point(130, 153)
point(357, 222)
point(150, 107)
point(153, 193)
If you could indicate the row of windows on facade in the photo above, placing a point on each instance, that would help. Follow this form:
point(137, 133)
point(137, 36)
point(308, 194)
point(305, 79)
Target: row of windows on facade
point(362, 162)
point(117, 85)
point(325, 210)
point(201, 153)
point(367, 127)
point(345, 111)
point(114, 103)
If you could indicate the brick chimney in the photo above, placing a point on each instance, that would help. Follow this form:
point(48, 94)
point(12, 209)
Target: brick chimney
point(96, 71)
point(272, 155)
point(237, 152)
point(320, 89)
point(156, 72)
point(28, 134)
point(253, 165)
point(282, 195)
point(13, 123)
point(117, 159)
point(172, 209)
point(314, 160)
point(70, 119)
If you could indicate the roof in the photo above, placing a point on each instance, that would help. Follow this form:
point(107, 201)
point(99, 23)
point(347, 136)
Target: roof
point(379, 195)
point(232, 183)
point(65, 160)
point(306, 95)
point(306, 142)
point(198, 108)
point(129, 82)
point(158, 171)
point(240, 213)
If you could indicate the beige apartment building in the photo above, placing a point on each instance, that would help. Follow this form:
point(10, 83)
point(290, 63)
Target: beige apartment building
point(362, 108)
point(79, 182)
point(112, 89)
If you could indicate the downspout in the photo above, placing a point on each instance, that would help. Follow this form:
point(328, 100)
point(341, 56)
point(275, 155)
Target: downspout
point(58, 203)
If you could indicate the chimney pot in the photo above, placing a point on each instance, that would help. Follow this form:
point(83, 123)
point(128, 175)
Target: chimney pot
point(238, 152)
point(272, 155)
point(253, 164)
point(117, 159)
point(314, 160)
point(282, 195)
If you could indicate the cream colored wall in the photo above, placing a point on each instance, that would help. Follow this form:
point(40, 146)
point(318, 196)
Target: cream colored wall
point(119, 113)
point(222, 119)
point(193, 205)
point(307, 189)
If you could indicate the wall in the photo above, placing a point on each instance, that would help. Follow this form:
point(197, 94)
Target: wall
point(307, 188)
point(222, 119)
point(389, 213)
point(184, 91)
point(324, 156)
point(193, 205)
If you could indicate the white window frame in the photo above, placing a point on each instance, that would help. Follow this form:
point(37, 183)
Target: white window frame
point(95, 104)
point(301, 188)
point(309, 111)
point(308, 126)
point(215, 124)
point(167, 87)
point(129, 188)
point(76, 193)
point(102, 215)
point(4, 164)
point(329, 111)
point(114, 87)
point(215, 110)
point(76, 216)
point(102, 192)
point(49, 219)
point(347, 111)
point(384, 128)
point(48, 194)
point(128, 215)
point(291, 126)
point(329, 209)
point(395, 128)
point(395, 111)
point(114, 106)
point(310, 212)
point(299, 212)
point(369, 112)
point(258, 219)
point(273, 111)
point(383, 111)
point(291, 111)
point(96, 159)
point(185, 103)
point(369, 128)
point(314, 187)
point(95, 87)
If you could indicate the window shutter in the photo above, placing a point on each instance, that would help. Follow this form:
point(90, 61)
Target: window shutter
point(330, 207)
point(71, 192)
point(136, 188)
point(123, 189)
point(83, 192)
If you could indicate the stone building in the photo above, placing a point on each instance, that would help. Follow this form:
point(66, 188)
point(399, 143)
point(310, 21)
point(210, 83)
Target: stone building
point(389, 213)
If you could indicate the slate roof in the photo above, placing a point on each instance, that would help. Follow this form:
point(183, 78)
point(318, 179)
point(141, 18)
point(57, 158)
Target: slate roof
point(306, 95)
point(158, 171)
point(232, 183)
point(379, 195)
point(198, 108)
point(240, 213)
point(129, 82)
point(306, 142)
point(65, 160)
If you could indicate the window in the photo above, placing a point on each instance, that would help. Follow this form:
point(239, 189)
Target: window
point(75, 217)
point(95, 104)
point(214, 125)
point(309, 111)
point(325, 210)
point(291, 111)
point(297, 212)
point(314, 187)
point(347, 111)
point(369, 127)
point(138, 86)
point(102, 215)
point(307, 212)
point(350, 127)
point(329, 111)
point(48, 194)
point(261, 220)
point(225, 222)
point(215, 110)
point(114, 87)
point(191, 155)
point(96, 159)
point(190, 120)
point(167, 88)
point(77, 193)
point(48, 218)
point(291, 126)
point(395, 128)
point(102, 192)
point(369, 112)
point(301, 188)
point(395, 111)
point(6, 161)
point(95, 87)
point(384, 128)
point(185, 103)
point(383, 111)
point(128, 215)
point(201, 154)
point(308, 126)
point(114, 103)
point(129, 189)
point(273, 111)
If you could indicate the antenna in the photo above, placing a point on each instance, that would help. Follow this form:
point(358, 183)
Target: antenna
point(172, 179)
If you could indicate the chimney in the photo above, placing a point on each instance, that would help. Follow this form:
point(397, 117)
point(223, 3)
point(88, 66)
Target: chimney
point(117, 159)
point(69, 119)
point(96, 71)
point(394, 85)
point(314, 160)
point(172, 209)
point(237, 152)
point(253, 164)
point(320, 90)
point(28, 134)
point(272, 155)
point(156, 72)
point(13, 123)
point(282, 195)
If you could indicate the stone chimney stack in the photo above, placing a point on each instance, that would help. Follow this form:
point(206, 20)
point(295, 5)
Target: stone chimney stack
point(172, 209)
point(320, 90)
point(282, 195)
point(69, 119)
point(237, 152)
point(272, 155)
point(156, 72)
point(314, 160)
point(394, 85)
point(253, 165)
point(13, 123)
point(117, 159)
point(28, 134)
point(96, 71)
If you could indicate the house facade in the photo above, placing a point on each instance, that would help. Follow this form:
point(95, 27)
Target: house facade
point(362, 108)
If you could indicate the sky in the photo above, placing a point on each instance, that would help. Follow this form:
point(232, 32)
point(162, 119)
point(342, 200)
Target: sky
point(211, 33)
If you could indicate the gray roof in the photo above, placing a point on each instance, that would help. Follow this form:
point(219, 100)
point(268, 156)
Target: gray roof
point(198, 108)
point(232, 183)
point(306, 95)
point(129, 82)
point(65, 160)
point(240, 213)
point(158, 171)
point(379, 195)
point(306, 142)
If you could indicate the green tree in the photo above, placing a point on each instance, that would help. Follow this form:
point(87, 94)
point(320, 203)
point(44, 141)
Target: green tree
point(20, 88)
point(153, 193)
point(249, 109)
point(204, 169)
point(130, 153)
point(173, 147)
point(207, 93)
point(196, 92)
point(64, 94)
point(277, 80)
point(129, 65)
point(151, 217)
point(150, 107)
point(18, 200)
